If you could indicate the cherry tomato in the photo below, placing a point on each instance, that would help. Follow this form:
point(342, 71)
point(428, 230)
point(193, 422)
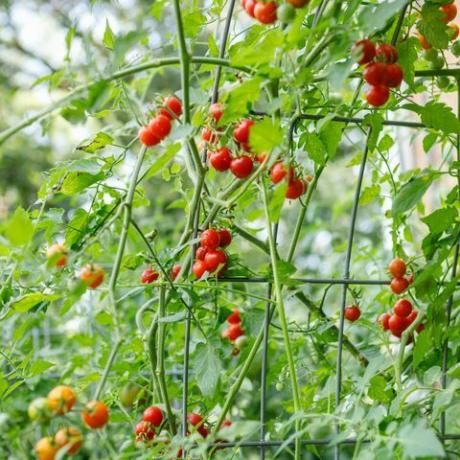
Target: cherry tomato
point(423, 41)
point(46, 448)
point(456, 48)
point(366, 51)
point(397, 324)
point(261, 157)
point(296, 188)
point(175, 270)
point(61, 399)
point(148, 137)
point(214, 258)
point(453, 33)
point(387, 53)
point(376, 73)
point(174, 105)
point(208, 136)
point(225, 423)
point(250, 6)
point(58, 254)
point(210, 239)
point(153, 415)
point(200, 253)
point(129, 394)
point(199, 268)
point(278, 172)
point(242, 166)
point(265, 12)
point(70, 437)
point(144, 431)
point(225, 237)
point(234, 318)
point(234, 331)
point(399, 285)
point(286, 13)
point(92, 275)
point(221, 159)
point(377, 95)
point(450, 12)
point(411, 317)
point(402, 308)
point(383, 320)
point(39, 410)
point(216, 110)
point(160, 126)
point(241, 131)
point(95, 415)
point(298, 3)
point(149, 276)
point(352, 313)
point(397, 268)
point(195, 419)
point(394, 75)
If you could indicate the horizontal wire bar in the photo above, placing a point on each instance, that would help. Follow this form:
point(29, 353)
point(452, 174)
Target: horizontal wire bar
point(338, 118)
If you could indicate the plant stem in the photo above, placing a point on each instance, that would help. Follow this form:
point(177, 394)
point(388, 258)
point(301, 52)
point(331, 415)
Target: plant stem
point(107, 369)
point(283, 321)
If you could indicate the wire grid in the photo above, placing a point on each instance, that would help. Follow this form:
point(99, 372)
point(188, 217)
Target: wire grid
point(263, 444)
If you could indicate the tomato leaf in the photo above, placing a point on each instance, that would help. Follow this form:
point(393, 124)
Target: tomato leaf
point(208, 366)
point(109, 39)
point(419, 441)
point(19, 229)
point(411, 193)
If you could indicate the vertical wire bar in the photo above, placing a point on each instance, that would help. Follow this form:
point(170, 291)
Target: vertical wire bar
point(196, 220)
point(445, 351)
point(346, 275)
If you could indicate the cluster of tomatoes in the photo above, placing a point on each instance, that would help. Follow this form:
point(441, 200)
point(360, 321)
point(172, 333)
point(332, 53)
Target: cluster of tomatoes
point(209, 256)
point(152, 418)
point(381, 72)
point(296, 185)
point(399, 282)
point(60, 401)
point(449, 13)
point(403, 316)
point(160, 126)
point(234, 332)
point(91, 274)
point(266, 12)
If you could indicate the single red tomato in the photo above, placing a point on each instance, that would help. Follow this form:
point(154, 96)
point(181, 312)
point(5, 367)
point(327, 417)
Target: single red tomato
point(241, 131)
point(200, 253)
point(450, 12)
point(225, 237)
point(148, 137)
point(295, 189)
point(377, 95)
point(397, 268)
point(234, 331)
point(234, 318)
point(221, 159)
point(149, 276)
point(214, 258)
point(71, 437)
point(174, 105)
point(402, 308)
point(387, 53)
point(250, 6)
point(265, 12)
point(58, 254)
point(375, 74)
point(208, 135)
point(144, 431)
point(210, 239)
point(399, 285)
point(153, 415)
point(195, 419)
point(216, 110)
point(261, 157)
point(160, 126)
point(352, 313)
point(366, 51)
point(92, 275)
point(175, 270)
point(383, 320)
point(411, 317)
point(279, 172)
point(95, 415)
point(242, 166)
point(394, 75)
point(397, 324)
point(199, 268)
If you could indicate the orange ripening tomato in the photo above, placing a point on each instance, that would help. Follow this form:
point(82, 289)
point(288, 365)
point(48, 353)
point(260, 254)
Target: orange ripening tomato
point(423, 41)
point(61, 399)
point(57, 253)
point(450, 12)
point(95, 415)
point(71, 438)
point(92, 275)
point(453, 33)
point(46, 449)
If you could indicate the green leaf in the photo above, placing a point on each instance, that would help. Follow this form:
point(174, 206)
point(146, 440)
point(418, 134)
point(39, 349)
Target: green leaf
point(19, 229)
point(161, 161)
point(207, 367)
point(277, 200)
point(441, 219)
point(378, 391)
point(330, 135)
point(109, 39)
point(265, 136)
point(374, 17)
point(437, 115)
point(369, 194)
point(193, 21)
point(419, 441)
point(428, 141)
point(411, 193)
point(315, 148)
point(77, 181)
point(422, 346)
point(38, 367)
point(432, 27)
point(407, 56)
point(97, 142)
point(29, 301)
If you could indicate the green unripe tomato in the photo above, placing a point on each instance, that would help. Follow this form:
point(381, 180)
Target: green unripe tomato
point(437, 63)
point(241, 342)
point(456, 48)
point(279, 386)
point(129, 394)
point(286, 13)
point(442, 82)
point(39, 410)
point(431, 55)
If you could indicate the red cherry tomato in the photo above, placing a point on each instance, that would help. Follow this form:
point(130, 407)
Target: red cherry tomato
point(175, 270)
point(92, 275)
point(450, 12)
point(383, 320)
point(95, 415)
point(375, 74)
point(265, 12)
point(411, 317)
point(387, 53)
point(200, 253)
point(221, 159)
point(366, 51)
point(234, 331)
point(242, 166)
point(149, 276)
point(279, 172)
point(402, 308)
point(147, 137)
point(216, 110)
point(241, 131)
point(234, 318)
point(160, 126)
point(153, 415)
point(397, 268)
point(377, 95)
point(296, 188)
point(394, 75)
point(352, 313)
point(250, 6)
point(195, 419)
point(397, 324)
point(208, 136)
point(225, 237)
point(144, 431)
point(399, 285)
point(214, 258)
point(174, 105)
point(210, 239)
point(199, 268)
